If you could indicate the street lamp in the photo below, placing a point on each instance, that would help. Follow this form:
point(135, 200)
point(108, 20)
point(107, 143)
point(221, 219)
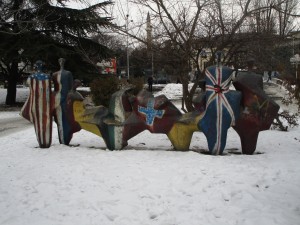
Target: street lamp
point(203, 55)
point(127, 44)
point(295, 60)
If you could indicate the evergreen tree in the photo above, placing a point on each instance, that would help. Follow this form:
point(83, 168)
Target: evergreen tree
point(37, 29)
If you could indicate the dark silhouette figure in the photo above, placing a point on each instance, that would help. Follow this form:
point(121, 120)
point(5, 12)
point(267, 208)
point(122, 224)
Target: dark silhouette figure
point(269, 76)
point(150, 83)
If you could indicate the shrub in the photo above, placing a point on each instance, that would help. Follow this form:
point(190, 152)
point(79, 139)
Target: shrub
point(137, 83)
point(103, 88)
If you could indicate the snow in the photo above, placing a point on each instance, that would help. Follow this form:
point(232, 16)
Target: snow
point(8, 115)
point(147, 183)
point(172, 91)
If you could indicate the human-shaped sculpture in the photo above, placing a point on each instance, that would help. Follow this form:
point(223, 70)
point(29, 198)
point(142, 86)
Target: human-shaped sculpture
point(37, 109)
point(258, 110)
point(63, 83)
point(129, 115)
point(222, 106)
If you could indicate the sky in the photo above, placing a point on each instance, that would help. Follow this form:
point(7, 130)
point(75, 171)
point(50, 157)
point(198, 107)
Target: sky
point(147, 183)
point(137, 15)
point(119, 11)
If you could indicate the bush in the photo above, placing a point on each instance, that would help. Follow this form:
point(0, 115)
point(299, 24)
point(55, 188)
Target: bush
point(103, 88)
point(137, 83)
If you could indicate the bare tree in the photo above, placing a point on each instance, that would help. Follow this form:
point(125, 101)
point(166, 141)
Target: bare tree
point(214, 25)
point(176, 24)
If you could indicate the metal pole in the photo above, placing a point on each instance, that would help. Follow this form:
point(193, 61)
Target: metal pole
point(152, 64)
point(295, 61)
point(296, 71)
point(127, 46)
point(293, 45)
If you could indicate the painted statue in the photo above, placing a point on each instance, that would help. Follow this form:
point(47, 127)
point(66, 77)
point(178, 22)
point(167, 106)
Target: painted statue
point(258, 110)
point(107, 123)
point(222, 107)
point(159, 115)
point(183, 129)
point(130, 115)
point(42, 104)
point(155, 114)
point(216, 111)
point(37, 109)
point(63, 83)
point(73, 96)
point(90, 119)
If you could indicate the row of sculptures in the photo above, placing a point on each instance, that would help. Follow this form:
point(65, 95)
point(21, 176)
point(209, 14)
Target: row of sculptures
point(247, 109)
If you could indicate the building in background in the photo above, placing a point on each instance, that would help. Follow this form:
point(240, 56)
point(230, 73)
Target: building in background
point(108, 66)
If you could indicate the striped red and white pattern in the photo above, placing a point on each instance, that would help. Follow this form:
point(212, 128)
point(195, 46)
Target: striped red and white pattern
point(37, 108)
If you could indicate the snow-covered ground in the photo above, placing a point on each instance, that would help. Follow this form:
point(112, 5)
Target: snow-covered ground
point(147, 183)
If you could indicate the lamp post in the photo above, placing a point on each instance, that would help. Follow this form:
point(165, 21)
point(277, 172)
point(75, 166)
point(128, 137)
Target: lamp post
point(203, 55)
point(295, 60)
point(127, 45)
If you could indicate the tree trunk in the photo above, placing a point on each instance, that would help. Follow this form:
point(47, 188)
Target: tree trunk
point(187, 96)
point(297, 93)
point(184, 87)
point(13, 77)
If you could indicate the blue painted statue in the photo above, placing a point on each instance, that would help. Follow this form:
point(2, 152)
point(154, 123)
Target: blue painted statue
point(63, 84)
point(222, 106)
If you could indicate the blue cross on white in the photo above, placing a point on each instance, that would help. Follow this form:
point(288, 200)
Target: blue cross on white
point(150, 112)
